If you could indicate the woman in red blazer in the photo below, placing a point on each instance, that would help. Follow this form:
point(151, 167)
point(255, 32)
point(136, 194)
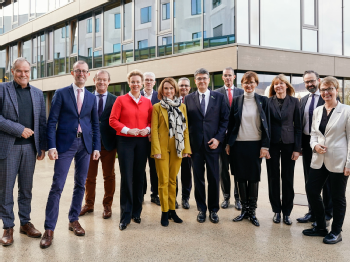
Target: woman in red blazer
point(131, 118)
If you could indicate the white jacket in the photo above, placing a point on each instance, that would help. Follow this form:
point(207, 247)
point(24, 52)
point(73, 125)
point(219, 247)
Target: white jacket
point(336, 138)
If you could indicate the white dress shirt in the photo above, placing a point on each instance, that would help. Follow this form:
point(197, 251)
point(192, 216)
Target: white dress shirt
point(306, 112)
point(232, 90)
point(104, 99)
point(148, 96)
point(75, 88)
point(207, 96)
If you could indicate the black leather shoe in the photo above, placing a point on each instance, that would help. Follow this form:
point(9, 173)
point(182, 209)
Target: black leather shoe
point(277, 218)
point(176, 205)
point(185, 204)
point(137, 220)
point(331, 238)
point(314, 224)
point(306, 219)
point(238, 205)
point(225, 203)
point(201, 217)
point(315, 232)
point(164, 220)
point(213, 217)
point(155, 200)
point(122, 226)
point(287, 220)
point(173, 216)
point(254, 220)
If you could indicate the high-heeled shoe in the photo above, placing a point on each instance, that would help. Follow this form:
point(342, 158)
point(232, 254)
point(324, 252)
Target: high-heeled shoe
point(164, 220)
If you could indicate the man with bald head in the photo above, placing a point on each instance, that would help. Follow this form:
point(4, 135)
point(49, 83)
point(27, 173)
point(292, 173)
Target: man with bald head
point(105, 101)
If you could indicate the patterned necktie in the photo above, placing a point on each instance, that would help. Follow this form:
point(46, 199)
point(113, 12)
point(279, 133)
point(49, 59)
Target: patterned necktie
point(229, 96)
point(311, 111)
point(79, 104)
point(203, 104)
point(100, 105)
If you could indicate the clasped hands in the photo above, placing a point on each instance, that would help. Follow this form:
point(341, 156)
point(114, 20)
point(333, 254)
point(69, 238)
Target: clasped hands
point(136, 132)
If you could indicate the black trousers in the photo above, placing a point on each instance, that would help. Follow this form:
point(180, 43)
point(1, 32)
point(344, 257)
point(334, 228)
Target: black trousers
point(317, 179)
point(200, 160)
point(225, 178)
point(153, 174)
point(186, 178)
point(132, 156)
point(286, 174)
point(326, 193)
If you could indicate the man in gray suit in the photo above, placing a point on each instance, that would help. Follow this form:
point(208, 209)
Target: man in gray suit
point(229, 91)
point(22, 141)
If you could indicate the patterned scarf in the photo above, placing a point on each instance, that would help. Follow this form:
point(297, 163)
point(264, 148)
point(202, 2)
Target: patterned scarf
point(177, 122)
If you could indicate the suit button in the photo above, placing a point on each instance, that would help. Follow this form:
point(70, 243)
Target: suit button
point(262, 119)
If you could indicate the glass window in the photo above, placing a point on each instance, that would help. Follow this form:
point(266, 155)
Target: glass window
point(165, 14)
point(330, 30)
point(242, 22)
point(146, 14)
point(27, 50)
point(309, 40)
point(184, 26)
point(85, 39)
point(15, 11)
point(216, 3)
point(128, 19)
point(73, 49)
point(112, 35)
point(98, 35)
point(347, 91)
point(166, 11)
point(286, 32)
point(128, 53)
point(217, 31)
point(115, 89)
point(346, 18)
point(35, 50)
point(196, 35)
point(309, 12)
point(254, 22)
point(59, 52)
point(142, 44)
point(32, 8)
point(42, 56)
point(196, 7)
point(164, 45)
point(23, 6)
point(299, 86)
point(41, 7)
point(52, 5)
point(3, 65)
point(7, 18)
point(1, 21)
point(117, 21)
point(89, 25)
point(97, 59)
point(50, 46)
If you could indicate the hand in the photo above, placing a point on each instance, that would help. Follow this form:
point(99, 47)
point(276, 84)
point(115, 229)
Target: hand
point(320, 149)
point(95, 155)
point(185, 155)
point(42, 155)
point(264, 153)
point(301, 153)
point(295, 155)
point(53, 154)
point(158, 156)
point(27, 132)
point(346, 171)
point(213, 143)
point(134, 132)
point(143, 132)
point(227, 149)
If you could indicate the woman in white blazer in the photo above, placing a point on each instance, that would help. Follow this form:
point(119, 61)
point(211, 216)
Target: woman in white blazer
point(330, 142)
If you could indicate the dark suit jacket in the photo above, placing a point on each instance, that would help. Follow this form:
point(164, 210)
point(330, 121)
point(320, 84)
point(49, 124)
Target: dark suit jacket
point(212, 125)
point(236, 92)
point(154, 99)
point(10, 129)
point(286, 122)
point(303, 102)
point(236, 116)
point(108, 137)
point(64, 114)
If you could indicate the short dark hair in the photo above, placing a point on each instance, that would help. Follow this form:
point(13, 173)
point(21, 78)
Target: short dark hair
point(201, 71)
point(311, 72)
point(229, 68)
point(80, 62)
point(250, 75)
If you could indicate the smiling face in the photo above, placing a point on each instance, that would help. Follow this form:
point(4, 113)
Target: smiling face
point(168, 90)
point(249, 85)
point(311, 82)
point(101, 82)
point(21, 73)
point(80, 74)
point(202, 82)
point(185, 87)
point(328, 93)
point(135, 84)
point(149, 83)
point(280, 87)
point(228, 77)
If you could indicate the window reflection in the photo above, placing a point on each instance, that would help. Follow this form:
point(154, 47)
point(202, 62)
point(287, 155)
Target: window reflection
point(60, 50)
point(27, 50)
point(112, 35)
point(7, 18)
point(98, 40)
point(41, 56)
point(165, 14)
point(242, 22)
point(164, 45)
point(309, 12)
point(254, 22)
point(127, 19)
point(41, 7)
point(127, 53)
point(309, 40)
point(23, 6)
point(3, 65)
point(85, 39)
point(346, 18)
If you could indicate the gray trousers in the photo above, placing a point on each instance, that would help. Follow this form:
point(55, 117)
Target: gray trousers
point(21, 160)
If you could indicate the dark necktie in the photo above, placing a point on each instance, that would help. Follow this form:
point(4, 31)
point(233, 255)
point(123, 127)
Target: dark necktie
point(311, 111)
point(100, 105)
point(203, 104)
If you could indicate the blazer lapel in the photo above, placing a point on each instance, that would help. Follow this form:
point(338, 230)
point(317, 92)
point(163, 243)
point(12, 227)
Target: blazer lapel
point(108, 102)
point(211, 101)
point(13, 95)
point(196, 101)
point(333, 119)
point(276, 105)
point(85, 102)
point(240, 107)
point(235, 93)
point(165, 115)
point(225, 95)
point(71, 91)
point(285, 104)
point(32, 94)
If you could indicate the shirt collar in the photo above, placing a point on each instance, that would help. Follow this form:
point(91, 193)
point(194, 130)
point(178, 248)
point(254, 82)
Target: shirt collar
point(75, 87)
point(130, 94)
point(206, 92)
point(104, 94)
point(18, 86)
point(232, 87)
point(316, 93)
point(144, 92)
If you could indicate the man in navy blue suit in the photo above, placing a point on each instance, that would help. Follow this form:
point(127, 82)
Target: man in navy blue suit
point(74, 112)
point(208, 115)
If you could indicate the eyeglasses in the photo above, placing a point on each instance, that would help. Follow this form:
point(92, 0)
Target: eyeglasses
point(183, 85)
point(149, 80)
point(329, 89)
point(310, 82)
point(78, 71)
point(201, 78)
point(101, 80)
point(248, 84)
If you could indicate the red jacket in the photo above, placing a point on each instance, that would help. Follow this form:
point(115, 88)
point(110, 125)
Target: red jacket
point(126, 112)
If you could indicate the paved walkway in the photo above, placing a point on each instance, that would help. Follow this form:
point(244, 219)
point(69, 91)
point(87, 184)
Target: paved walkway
point(190, 241)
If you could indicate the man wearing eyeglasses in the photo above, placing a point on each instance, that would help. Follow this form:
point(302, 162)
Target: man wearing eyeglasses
point(307, 105)
point(74, 112)
point(151, 94)
point(208, 115)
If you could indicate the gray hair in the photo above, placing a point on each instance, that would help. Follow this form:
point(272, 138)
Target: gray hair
point(102, 71)
point(80, 62)
point(201, 71)
point(229, 68)
point(184, 79)
point(311, 72)
point(149, 74)
point(19, 60)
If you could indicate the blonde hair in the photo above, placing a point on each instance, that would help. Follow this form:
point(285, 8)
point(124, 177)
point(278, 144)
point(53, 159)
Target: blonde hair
point(283, 78)
point(330, 80)
point(135, 73)
point(170, 81)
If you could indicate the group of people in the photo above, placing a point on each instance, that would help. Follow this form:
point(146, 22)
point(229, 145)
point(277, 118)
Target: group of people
point(229, 128)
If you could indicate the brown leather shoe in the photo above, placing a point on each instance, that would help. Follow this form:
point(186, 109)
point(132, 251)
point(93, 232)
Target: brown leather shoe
point(29, 230)
point(107, 212)
point(76, 228)
point(7, 238)
point(86, 209)
point(47, 238)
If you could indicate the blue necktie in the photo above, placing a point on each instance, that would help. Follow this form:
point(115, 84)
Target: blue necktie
point(311, 111)
point(100, 105)
point(203, 104)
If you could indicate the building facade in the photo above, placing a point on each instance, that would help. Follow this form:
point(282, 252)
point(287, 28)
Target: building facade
point(175, 37)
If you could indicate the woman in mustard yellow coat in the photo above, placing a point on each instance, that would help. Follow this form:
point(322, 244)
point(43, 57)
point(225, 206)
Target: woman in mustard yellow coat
point(169, 143)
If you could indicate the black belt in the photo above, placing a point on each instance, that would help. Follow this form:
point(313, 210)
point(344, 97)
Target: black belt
point(79, 134)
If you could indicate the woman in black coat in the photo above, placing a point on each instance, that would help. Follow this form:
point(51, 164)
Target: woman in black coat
point(285, 132)
point(248, 142)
